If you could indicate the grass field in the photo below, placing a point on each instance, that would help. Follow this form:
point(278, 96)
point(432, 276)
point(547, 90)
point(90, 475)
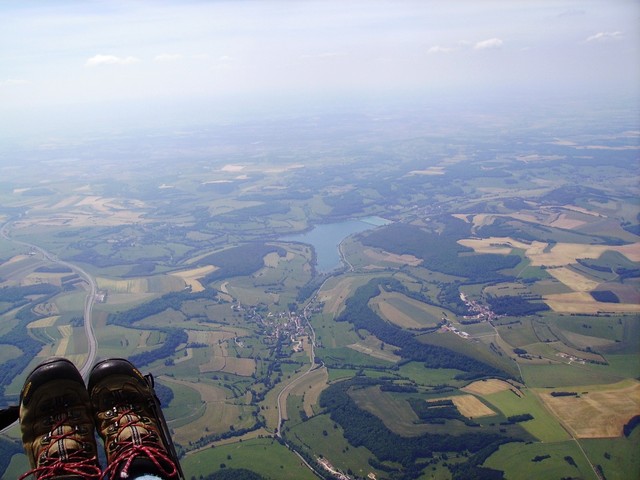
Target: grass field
point(516, 460)
point(328, 440)
point(429, 376)
point(8, 352)
point(264, 456)
point(335, 292)
point(375, 348)
point(618, 457)
point(559, 374)
point(332, 334)
point(310, 388)
point(543, 426)
point(470, 348)
point(395, 412)
point(406, 312)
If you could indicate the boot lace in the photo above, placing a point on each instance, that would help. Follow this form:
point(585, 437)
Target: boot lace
point(64, 461)
point(139, 444)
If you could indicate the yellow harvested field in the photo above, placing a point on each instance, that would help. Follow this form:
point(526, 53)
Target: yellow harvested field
point(462, 216)
point(502, 245)
point(572, 279)
point(528, 217)
point(61, 349)
point(487, 387)
point(191, 277)
point(134, 285)
point(575, 208)
point(565, 221)
point(405, 259)
point(583, 302)
point(560, 255)
point(44, 322)
point(566, 253)
point(471, 407)
point(16, 259)
point(597, 411)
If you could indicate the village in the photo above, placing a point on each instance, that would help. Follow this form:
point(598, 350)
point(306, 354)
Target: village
point(480, 313)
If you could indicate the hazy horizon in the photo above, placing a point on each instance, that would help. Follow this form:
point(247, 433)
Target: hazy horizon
point(68, 66)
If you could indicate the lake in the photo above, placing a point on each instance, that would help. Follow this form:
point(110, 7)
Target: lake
point(325, 239)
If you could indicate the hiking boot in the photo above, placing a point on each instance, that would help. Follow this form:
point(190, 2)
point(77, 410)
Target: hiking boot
point(56, 423)
point(129, 419)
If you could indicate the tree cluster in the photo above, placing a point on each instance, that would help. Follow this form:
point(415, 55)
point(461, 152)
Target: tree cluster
point(362, 428)
point(358, 312)
point(440, 252)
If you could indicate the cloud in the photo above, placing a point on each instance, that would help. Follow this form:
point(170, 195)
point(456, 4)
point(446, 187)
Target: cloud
point(604, 37)
point(439, 49)
point(167, 57)
point(98, 60)
point(487, 44)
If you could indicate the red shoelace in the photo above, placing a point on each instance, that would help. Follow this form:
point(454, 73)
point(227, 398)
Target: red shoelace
point(65, 462)
point(139, 445)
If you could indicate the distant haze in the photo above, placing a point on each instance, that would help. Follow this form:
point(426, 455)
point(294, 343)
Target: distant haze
point(68, 66)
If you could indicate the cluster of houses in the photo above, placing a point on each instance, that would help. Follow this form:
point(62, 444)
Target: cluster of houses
point(481, 311)
point(276, 325)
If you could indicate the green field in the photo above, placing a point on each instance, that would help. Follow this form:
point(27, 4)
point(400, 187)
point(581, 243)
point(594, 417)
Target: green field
point(265, 456)
point(429, 376)
point(543, 426)
point(516, 460)
point(536, 197)
point(559, 374)
point(618, 457)
point(328, 440)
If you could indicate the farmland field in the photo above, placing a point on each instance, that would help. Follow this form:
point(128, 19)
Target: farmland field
point(595, 411)
point(500, 264)
point(512, 457)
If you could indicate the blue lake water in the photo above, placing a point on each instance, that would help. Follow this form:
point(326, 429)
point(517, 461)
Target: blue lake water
point(325, 239)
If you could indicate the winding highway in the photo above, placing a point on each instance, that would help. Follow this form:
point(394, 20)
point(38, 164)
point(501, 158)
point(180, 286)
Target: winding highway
point(92, 344)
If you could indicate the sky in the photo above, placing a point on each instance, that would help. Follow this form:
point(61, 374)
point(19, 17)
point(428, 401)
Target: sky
point(81, 64)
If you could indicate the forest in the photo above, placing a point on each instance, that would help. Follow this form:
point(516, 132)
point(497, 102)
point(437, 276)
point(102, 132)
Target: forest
point(362, 428)
point(440, 252)
point(358, 312)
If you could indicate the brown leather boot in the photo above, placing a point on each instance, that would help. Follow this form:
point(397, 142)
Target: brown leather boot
point(57, 424)
point(129, 420)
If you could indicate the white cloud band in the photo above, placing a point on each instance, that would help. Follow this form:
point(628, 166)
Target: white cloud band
point(98, 60)
point(489, 43)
